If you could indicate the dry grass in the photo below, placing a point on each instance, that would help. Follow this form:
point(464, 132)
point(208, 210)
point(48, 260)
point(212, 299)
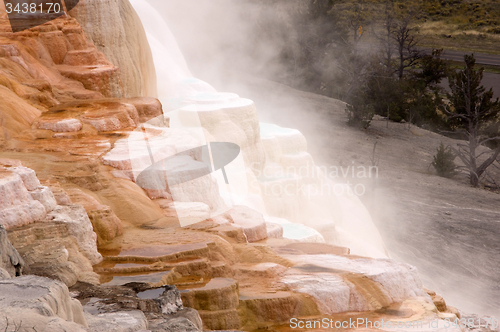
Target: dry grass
point(452, 36)
point(466, 25)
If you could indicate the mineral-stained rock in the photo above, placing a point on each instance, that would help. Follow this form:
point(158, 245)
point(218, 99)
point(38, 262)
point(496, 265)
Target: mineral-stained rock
point(17, 207)
point(105, 223)
point(39, 52)
point(230, 231)
point(100, 78)
point(55, 43)
point(277, 306)
point(25, 298)
point(59, 125)
point(61, 196)
point(221, 319)
point(117, 31)
point(80, 227)
point(112, 116)
point(439, 303)
point(252, 222)
point(17, 114)
point(10, 162)
point(48, 250)
point(132, 153)
point(86, 57)
point(218, 294)
point(147, 107)
point(10, 260)
point(340, 284)
point(216, 302)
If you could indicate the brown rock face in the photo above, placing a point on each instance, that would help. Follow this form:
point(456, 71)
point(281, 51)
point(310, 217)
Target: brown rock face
point(17, 114)
point(56, 44)
point(48, 250)
point(104, 221)
point(251, 222)
point(43, 56)
point(277, 307)
point(106, 224)
point(112, 117)
point(101, 78)
point(147, 107)
point(85, 57)
point(438, 301)
point(216, 302)
point(103, 115)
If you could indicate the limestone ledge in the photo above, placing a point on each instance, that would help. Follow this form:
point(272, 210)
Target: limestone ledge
point(27, 208)
point(42, 303)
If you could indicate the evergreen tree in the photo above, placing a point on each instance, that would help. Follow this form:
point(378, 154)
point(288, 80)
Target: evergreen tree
point(472, 111)
point(444, 161)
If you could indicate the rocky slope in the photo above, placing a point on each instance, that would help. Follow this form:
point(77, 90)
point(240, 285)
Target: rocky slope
point(75, 210)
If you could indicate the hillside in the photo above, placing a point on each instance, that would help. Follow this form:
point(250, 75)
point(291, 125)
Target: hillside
point(463, 25)
point(467, 25)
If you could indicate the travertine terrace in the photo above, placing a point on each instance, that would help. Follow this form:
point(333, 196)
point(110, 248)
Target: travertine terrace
point(79, 122)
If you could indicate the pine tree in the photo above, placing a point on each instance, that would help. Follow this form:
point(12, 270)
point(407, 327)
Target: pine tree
point(444, 161)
